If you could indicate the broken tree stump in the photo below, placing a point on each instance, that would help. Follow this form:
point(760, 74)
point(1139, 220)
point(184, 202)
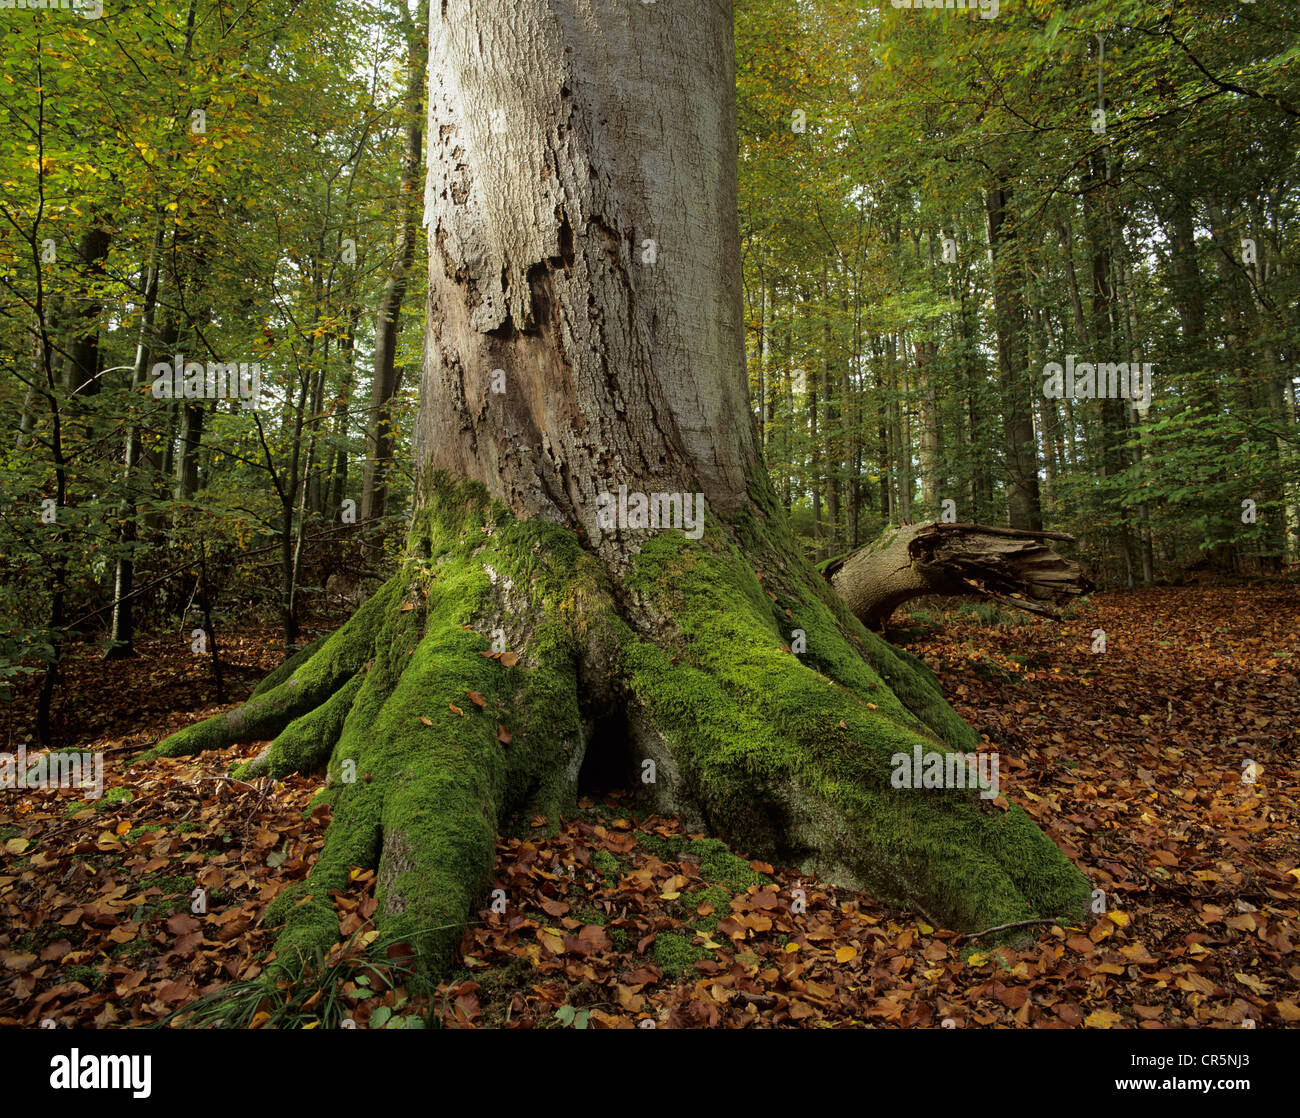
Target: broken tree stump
point(1018, 568)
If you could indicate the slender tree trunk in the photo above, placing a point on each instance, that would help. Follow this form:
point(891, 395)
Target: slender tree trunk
point(81, 371)
point(122, 631)
point(1102, 335)
point(1138, 451)
point(1024, 510)
point(387, 375)
point(342, 408)
point(762, 359)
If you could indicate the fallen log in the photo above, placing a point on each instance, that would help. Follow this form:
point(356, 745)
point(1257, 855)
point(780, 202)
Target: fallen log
point(1008, 565)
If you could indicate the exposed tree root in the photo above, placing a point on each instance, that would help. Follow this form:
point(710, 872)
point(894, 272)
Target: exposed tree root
point(338, 659)
point(435, 743)
point(306, 743)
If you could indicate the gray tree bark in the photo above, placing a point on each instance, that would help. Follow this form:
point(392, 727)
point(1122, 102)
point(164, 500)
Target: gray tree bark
point(588, 260)
point(1023, 503)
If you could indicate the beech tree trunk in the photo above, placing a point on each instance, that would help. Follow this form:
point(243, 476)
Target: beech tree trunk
point(584, 350)
point(583, 239)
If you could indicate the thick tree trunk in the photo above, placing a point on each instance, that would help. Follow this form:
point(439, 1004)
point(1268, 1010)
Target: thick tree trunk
point(566, 135)
point(1005, 564)
point(581, 215)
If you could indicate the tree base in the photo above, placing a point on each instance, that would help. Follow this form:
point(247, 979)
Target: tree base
point(464, 697)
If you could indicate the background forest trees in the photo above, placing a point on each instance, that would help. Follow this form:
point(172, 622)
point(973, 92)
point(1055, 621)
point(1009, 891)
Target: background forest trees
point(228, 184)
point(928, 218)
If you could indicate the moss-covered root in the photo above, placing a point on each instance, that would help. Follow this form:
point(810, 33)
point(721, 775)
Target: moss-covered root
point(291, 665)
point(267, 713)
point(792, 757)
point(423, 776)
point(307, 742)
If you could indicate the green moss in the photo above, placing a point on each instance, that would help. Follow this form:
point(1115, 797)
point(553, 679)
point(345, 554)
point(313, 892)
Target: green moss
point(306, 743)
point(788, 756)
point(339, 658)
point(291, 665)
point(128, 950)
point(90, 977)
point(718, 864)
point(168, 883)
point(175, 894)
point(589, 915)
point(675, 954)
point(604, 861)
point(791, 755)
point(433, 783)
point(718, 897)
point(664, 847)
point(111, 797)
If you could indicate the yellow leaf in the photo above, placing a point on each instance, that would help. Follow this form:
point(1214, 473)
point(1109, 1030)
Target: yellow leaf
point(1254, 983)
point(260, 1018)
point(1119, 919)
point(669, 896)
point(846, 954)
point(791, 948)
point(123, 827)
point(16, 845)
point(978, 959)
point(310, 1025)
point(1101, 1019)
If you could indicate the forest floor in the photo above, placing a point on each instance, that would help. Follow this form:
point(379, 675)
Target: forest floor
point(1166, 767)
